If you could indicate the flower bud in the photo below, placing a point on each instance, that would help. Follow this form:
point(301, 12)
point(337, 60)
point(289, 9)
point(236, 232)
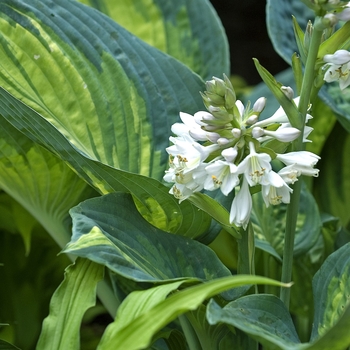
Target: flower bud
point(339, 57)
point(258, 132)
point(288, 91)
point(236, 133)
point(252, 119)
point(229, 154)
point(230, 99)
point(344, 15)
point(259, 105)
point(222, 141)
point(284, 134)
point(330, 19)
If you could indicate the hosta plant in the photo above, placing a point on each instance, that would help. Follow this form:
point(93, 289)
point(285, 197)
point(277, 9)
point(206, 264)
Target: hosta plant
point(145, 204)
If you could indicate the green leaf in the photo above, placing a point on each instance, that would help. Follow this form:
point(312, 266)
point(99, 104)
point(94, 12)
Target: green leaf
point(40, 182)
point(280, 25)
point(332, 297)
point(28, 282)
point(332, 188)
point(264, 317)
point(269, 225)
point(73, 297)
point(139, 333)
point(124, 125)
point(214, 337)
point(136, 304)
point(4, 345)
point(176, 28)
point(338, 101)
point(110, 94)
point(110, 231)
point(215, 210)
point(288, 105)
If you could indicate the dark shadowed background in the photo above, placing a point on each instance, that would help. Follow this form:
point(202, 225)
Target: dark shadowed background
point(244, 22)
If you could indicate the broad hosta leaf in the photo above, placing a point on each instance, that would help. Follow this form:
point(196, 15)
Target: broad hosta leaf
point(264, 317)
point(331, 287)
point(41, 182)
point(269, 225)
point(170, 215)
point(332, 188)
point(175, 27)
point(113, 96)
point(138, 334)
point(280, 25)
point(110, 231)
point(73, 297)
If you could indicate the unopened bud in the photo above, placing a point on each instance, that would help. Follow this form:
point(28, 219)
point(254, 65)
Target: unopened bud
point(258, 132)
point(259, 105)
point(344, 15)
point(252, 119)
point(339, 57)
point(236, 133)
point(222, 141)
point(229, 154)
point(230, 99)
point(288, 91)
point(330, 20)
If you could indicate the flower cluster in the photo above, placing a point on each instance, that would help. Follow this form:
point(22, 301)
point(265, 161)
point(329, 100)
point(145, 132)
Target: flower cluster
point(227, 148)
point(338, 68)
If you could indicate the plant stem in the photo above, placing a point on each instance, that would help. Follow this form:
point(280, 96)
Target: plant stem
point(190, 334)
point(246, 249)
point(293, 207)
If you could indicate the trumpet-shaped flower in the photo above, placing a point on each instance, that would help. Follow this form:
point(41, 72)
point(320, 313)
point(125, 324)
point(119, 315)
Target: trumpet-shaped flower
point(277, 191)
point(255, 166)
point(338, 68)
point(241, 207)
point(223, 175)
point(303, 162)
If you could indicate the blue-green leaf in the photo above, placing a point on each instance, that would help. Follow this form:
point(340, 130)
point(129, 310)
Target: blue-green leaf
point(110, 231)
point(175, 27)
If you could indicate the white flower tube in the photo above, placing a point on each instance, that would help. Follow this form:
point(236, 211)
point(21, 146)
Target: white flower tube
point(241, 206)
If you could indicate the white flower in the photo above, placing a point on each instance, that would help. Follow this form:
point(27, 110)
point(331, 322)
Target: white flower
point(182, 192)
point(289, 174)
point(302, 161)
point(255, 166)
point(241, 206)
point(192, 125)
point(283, 133)
point(338, 68)
point(222, 174)
point(277, 191)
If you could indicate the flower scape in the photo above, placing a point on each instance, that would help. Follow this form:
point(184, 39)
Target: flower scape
point(228, 148)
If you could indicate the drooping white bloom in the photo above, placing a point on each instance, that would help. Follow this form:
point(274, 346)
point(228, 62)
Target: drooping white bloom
point(241, 207)
point(283, 134)
point(255, 166)
point(277, 191)
point(289, 174)
point(338, 68)
point(223, 175)
point(302, 161)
